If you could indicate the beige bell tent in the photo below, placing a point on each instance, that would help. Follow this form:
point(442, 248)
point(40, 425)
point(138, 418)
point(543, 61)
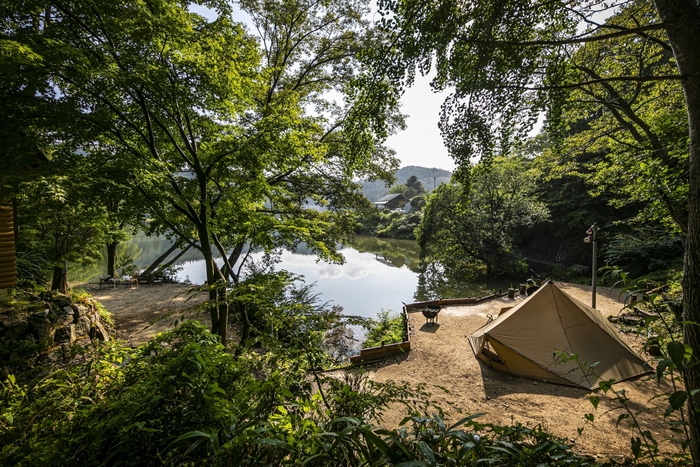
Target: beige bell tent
point(532, 338)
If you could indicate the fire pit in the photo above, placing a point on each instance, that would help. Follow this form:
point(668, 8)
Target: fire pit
point(431, 313)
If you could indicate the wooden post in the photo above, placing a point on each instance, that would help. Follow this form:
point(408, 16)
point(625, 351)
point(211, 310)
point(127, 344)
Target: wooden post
point(8, 264)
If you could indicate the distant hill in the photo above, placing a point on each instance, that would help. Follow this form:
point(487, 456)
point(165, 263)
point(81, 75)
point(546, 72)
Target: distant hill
point(430, 178)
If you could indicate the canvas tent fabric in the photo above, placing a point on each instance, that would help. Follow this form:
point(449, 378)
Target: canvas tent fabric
point(537, 338)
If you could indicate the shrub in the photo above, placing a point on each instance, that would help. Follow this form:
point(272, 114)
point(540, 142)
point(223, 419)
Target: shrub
point(387, 328)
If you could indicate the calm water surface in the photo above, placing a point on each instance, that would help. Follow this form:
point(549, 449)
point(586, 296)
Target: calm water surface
point(377, 273)
point(362, 286)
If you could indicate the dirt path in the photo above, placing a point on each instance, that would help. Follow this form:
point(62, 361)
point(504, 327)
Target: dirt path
point(441, 357)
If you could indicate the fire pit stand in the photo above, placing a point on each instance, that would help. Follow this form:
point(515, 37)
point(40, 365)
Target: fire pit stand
point(431, 313)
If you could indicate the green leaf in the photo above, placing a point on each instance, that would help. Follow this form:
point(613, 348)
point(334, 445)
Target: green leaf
point(677, 399)
point(427, 452)
point(382, 446)
point(661, 367)
point(273, 442)
point(595, 400)
point(636, 447)
point(465, 420)
point(676, 350)
point(315, 456)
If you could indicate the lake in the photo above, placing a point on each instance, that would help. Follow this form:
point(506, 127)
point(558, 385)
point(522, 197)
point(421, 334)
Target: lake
point(377, 273)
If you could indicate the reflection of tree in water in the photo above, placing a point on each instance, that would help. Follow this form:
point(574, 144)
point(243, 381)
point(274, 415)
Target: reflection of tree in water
point(98, 269)
point(392, 252)
point(435, 282)
point(141, 248)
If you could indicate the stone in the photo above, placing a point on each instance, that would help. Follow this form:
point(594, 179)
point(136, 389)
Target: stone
point(82, 326)
point(65, 334)
point(13, 328)
point(81, 310)
point(44, 331)
point(61, 300)
point(42, 314)
point(64, 320)
point(100, 332)
point(67, 310)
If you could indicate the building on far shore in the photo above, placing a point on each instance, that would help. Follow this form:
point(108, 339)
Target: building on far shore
point(393, 201)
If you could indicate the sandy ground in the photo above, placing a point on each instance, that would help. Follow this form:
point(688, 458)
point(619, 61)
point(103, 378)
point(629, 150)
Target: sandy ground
point(441, 357)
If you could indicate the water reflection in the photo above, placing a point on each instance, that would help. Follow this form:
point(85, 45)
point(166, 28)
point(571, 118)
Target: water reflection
point(377, 274)
point(362, 285)
point(391, 252)
point(144, 250)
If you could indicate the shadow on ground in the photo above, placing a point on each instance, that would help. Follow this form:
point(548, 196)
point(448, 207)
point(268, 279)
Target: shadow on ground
point(498, 384)
point(430, 327)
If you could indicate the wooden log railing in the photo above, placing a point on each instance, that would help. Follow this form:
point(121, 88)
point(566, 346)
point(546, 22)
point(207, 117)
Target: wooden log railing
point(451, 301)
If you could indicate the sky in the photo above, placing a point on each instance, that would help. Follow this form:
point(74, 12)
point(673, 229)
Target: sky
point(420, 143)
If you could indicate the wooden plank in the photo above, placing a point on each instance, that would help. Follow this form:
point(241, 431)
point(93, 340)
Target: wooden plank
point(377, 353)
point(417, 305)
point(450, 301)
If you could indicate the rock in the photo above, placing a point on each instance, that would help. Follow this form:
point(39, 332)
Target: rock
point(100, 332)
point(61, 300)
point(42, 314)
point(83, 325)
point(13, 328)
point(44, 331)
point(51, 357)
point(81, 310)
point(65, 334)
point(64, 320)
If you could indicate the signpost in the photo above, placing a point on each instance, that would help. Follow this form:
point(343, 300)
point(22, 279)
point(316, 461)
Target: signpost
point(593, 238)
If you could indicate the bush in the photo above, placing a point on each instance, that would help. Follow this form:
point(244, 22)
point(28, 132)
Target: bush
point(389, 224)
point(387, 328)
point(399, 225)
point(182, 400)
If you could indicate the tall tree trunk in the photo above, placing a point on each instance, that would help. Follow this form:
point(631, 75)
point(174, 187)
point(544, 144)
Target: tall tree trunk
point(682, 21)
point(59, 281)
point(111, 258)
point(212, 279)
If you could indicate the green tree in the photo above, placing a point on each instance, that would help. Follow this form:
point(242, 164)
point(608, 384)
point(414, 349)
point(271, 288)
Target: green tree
point(627, 139)
point(59, 220)
point(458, 234)
point(416, 184)
point(412, 188)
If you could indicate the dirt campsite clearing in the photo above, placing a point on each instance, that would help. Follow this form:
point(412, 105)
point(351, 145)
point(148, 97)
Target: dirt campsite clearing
point(141, 312)
point(442, 359)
